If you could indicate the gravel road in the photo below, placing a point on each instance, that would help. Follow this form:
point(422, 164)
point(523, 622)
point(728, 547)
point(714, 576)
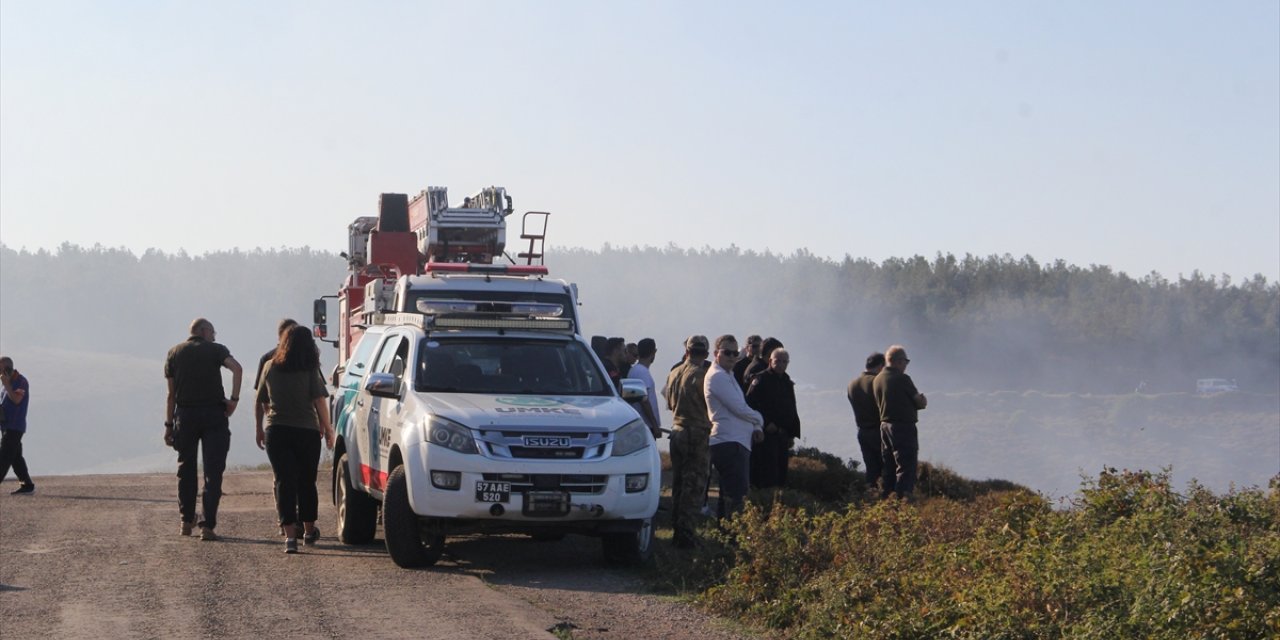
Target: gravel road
point(100, 556)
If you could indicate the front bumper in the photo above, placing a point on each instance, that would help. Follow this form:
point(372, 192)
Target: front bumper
point(595, 489)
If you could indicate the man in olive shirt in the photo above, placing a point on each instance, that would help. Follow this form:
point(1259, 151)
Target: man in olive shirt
point(898, 400)
point(197, 411)
point(690, 440)
point(866, 413)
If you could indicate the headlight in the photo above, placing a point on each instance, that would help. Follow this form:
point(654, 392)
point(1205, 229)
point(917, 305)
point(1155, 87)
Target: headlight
point(450, 435)
point(631, 438)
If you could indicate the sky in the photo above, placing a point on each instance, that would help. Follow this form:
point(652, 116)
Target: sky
point(1140, 135)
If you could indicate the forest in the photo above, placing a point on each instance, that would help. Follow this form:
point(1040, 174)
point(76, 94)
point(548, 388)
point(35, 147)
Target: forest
point(973, 323)
point(1052, 351)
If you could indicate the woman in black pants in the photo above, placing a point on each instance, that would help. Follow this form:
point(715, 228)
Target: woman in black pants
point(293, 397)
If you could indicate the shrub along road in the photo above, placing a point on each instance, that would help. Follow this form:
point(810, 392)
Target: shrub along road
point(100, 556)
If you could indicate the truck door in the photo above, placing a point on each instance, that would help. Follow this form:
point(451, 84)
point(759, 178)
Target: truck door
point(369, 428)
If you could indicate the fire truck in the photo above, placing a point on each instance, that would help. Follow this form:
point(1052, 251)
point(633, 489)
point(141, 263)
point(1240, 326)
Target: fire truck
point(467, 400)
point(413, 243)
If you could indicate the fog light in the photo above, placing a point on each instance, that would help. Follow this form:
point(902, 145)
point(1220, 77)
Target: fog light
point(450, 480)
point(637, 482)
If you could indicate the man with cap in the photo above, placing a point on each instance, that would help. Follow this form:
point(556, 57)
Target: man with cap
point(690, 436)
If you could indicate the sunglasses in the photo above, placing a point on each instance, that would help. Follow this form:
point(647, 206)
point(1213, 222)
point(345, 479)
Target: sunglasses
point(732, 353)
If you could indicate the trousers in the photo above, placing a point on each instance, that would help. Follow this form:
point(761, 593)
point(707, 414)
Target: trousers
point(201, 429)
point(11, 456)
point(899, 448)
point(295, 456)
point(690, 468)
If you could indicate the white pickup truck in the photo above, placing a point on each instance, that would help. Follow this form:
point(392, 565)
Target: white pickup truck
point(462, 419)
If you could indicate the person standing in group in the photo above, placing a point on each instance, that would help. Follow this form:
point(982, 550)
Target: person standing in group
point(690, 434)
point(15, 397)
point(612, 360)
point(760, 362)
point(630, 355)
point(773, 394)
point(646, 350)
point(197, 418)
point(898, 402)
point(282, 328)
point(866, 413)
point(735, 426)
point(293, 396)
point(754, 342)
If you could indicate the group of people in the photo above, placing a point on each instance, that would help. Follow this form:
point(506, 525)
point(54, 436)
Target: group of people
point(736, 413)
point(885, 405)
point(291, 399)
point(624, 359)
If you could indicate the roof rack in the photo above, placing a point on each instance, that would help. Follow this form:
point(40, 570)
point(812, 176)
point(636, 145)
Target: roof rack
point(455, 321)
point(434, 268)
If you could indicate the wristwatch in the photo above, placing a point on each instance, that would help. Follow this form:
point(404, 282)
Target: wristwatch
point(168, 424)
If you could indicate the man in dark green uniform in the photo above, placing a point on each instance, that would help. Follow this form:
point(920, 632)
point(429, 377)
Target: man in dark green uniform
point(867, 416)
point(196, 417)
point(690, 436)
point(898, 400)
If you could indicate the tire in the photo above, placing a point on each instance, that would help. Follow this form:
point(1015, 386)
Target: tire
point(408, 547)
point(357, 511)
point(623, 549)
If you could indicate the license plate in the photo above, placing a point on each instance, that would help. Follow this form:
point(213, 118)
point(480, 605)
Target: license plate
point(547, 442)
point(493, 491)
point(546, 503)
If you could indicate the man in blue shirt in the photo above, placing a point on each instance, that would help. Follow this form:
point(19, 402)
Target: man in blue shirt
point(13, 424)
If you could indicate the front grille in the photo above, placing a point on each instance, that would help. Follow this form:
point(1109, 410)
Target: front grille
point(573, 483)
point(511, 444)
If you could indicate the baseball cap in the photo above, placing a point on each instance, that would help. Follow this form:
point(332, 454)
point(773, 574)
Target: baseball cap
point(697, 343)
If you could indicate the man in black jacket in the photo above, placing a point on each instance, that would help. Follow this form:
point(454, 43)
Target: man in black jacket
point(867, 415)
point(899, 402)
point(773, 394)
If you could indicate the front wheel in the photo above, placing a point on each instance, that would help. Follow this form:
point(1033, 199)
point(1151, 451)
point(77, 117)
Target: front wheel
point(629, 548)
point(357, 511)
point(408, 547)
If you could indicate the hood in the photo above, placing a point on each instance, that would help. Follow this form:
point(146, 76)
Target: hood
point(588, 413)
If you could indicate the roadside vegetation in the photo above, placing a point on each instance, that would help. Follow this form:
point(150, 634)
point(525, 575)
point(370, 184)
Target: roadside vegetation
point(1127, 557)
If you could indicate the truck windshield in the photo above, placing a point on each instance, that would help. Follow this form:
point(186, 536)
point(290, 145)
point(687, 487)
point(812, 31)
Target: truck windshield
point(545, 367)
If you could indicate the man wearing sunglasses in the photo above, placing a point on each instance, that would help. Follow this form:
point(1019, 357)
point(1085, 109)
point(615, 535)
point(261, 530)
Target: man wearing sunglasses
point(735, 426)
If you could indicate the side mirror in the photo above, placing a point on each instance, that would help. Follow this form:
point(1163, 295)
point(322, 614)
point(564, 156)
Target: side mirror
point(382, 385)
point(633, 390)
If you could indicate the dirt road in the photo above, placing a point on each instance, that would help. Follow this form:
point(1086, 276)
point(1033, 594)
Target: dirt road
point(100, 556)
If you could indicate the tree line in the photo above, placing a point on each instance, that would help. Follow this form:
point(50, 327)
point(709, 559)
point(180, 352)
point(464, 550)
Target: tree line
point(970, 322)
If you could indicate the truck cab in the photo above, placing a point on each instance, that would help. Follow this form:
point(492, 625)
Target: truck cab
point(464, 420)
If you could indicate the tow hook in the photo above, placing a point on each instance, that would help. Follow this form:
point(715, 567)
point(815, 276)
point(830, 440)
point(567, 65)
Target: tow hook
point(595, 509)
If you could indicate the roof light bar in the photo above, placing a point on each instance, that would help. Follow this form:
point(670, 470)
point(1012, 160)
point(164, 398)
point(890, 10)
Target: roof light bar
point(532, 309)
point(532, 324)
point(474, 267)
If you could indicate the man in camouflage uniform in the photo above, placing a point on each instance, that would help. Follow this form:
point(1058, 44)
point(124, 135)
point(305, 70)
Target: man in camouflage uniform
point(690, 433)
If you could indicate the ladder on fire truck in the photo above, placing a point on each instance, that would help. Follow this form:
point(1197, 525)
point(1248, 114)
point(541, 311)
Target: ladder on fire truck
point(474, 232)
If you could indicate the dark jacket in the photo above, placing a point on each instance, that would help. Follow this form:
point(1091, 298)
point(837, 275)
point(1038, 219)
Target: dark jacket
point(774, 396)
point(865, 411)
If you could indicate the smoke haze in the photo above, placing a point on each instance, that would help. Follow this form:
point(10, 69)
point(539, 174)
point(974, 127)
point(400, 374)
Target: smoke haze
point(1032, 370)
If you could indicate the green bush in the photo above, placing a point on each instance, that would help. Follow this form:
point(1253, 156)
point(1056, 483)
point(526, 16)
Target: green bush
point(1130, 558)
point(824, 475)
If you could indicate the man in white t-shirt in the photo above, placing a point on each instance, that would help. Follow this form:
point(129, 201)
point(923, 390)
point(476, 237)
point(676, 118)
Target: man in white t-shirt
point(646, 350)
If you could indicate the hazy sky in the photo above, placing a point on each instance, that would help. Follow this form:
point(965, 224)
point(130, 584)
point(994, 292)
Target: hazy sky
point(1142, 135)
